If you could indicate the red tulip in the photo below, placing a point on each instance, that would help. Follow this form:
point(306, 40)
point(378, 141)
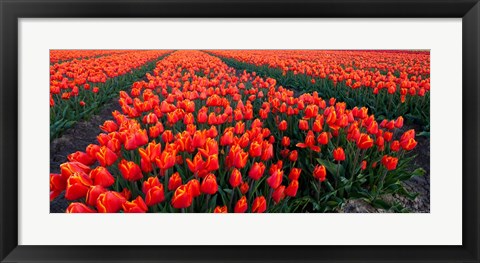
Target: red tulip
point(110, 202)
point(67, 169)
point(235, 178)
point(278, 194)
point(93, 193)
point(106, 157)
point(256, 171)
point(389, 162)
point(320, 173)
point(259, 205)
point(194, 187)
point(241, 206)
point(81, 157)
point(136, 206)
point(57, 185)
point(364, 141)
point(101, 176)
point(77, 186)
point(220, 209)
point(155, 195)
point(209, 184)
point(292, 188)
point(130, 170)
point(174, 182)
point(339, 154)
point(275, 179)
point(294, 174)
point(79, 208)
point(182, 197)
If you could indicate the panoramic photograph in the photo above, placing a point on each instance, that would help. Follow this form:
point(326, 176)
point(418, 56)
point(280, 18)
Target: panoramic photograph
point(239, 131)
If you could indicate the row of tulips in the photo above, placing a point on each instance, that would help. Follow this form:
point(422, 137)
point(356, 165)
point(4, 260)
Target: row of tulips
point(389, 83)
point(78, 88)
point(58, 56)
point(196, 136)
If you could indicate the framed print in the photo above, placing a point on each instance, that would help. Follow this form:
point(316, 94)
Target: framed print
point(230, 131)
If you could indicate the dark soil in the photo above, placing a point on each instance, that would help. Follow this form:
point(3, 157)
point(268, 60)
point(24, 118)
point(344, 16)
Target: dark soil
point(75, 139)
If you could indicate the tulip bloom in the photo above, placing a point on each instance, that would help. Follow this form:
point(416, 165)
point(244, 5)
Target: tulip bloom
point(149, 183)
point(57, 185)
point(259, 205)
point(339, 154)
point(81, 157)
point(292, 188)
point(101, 176)
point(155, 195)
point(209, 184)
point(294, 174)
point(136, 206)
point(323, 138)
point(275, 179)
point(77, 186)
point(320, 173)
point(93, 193)
point(293, 156)
point(130, 170)
point(244, 187)
point(235, 178)
point(174, 182)
point(364, 141)
point(106, 157)
point(220, 209)
point(241, 206)
point(256, 171)
point(67, 169)
point(278, 194)
point(110, 202)
point(303, 125)
point(194, 187)
point(79, 208)
point(182, 197)
point(389, 162)
point(282, 126)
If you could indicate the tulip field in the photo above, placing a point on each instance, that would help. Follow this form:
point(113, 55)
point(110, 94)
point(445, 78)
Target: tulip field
point(240, 131)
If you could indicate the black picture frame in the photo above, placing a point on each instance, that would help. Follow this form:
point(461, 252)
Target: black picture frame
point(468, 10)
